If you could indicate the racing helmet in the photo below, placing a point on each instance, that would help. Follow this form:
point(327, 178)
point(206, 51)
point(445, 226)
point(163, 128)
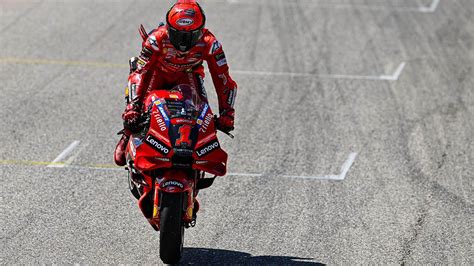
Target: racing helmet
point(185, 21)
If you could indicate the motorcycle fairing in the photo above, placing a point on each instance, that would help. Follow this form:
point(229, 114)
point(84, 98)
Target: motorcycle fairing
point(165, 142)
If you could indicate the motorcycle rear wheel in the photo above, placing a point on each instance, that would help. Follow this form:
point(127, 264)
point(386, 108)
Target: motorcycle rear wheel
point(171, 227)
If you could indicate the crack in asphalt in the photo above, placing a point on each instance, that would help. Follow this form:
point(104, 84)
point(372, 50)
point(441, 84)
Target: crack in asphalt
point(407, 247)
point(22, 15)
point(29, 220)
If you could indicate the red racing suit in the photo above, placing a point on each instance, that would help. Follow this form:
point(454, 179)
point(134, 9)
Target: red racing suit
point(160, 66)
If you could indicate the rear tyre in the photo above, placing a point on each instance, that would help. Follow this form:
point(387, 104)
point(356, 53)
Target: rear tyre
point(171, 227)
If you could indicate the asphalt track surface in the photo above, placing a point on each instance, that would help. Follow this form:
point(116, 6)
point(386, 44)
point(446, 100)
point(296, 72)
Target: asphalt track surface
point(354, 133)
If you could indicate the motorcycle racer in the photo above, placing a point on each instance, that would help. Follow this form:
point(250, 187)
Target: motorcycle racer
point(173, 54)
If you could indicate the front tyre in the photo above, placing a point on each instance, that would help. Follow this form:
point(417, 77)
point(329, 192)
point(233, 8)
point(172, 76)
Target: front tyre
point(171, 227)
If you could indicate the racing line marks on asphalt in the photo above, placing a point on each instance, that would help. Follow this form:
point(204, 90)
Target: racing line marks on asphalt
point(57, 162)
point(396, 74)
point(344, 170)
point(393, 77)
point(112, 168)
point(431, 8)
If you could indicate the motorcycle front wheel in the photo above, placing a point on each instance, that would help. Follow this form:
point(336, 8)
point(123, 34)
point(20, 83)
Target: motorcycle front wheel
point(171, 227)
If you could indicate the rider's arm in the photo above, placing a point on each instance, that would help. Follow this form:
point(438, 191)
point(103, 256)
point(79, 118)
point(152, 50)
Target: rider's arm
point(139, 79)
point(226, 87)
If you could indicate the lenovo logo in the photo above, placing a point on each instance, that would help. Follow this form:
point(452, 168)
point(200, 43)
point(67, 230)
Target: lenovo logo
point(207, 149)
point(157, 145)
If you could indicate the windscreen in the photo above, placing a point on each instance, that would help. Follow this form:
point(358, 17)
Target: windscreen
point(184, 102)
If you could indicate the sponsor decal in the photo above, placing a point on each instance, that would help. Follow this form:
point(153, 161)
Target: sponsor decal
point(201, 86)
point(182, 121)
point(172, 183)
point(146, 54)
point(215, 46)
point(157, 145)
point(208, 148)
point(163, 113)
point(137, 142)
point(231, 97)
point(159, 105)
point(157, 134)
point(153, 43)
point(162, 159)
point(206, 122)
point(204, 111)
point(224, 78)
point(222, 62)
point(206, 139)
point(140, 63)
point(192, 60)
point(133, 91)
point(185, 22)
point(160, 121)
point(201, 162)
point(181, 65)
point(220, 56)
point(190, 12)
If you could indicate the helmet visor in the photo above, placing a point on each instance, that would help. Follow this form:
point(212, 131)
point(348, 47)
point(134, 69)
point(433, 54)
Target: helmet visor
point(184, 40)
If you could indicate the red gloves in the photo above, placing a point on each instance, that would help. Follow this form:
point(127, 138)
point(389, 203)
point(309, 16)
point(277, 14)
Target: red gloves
point(130, 116)
point(225, 122)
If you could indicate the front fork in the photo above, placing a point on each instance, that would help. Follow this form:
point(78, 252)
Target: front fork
point(169, 181)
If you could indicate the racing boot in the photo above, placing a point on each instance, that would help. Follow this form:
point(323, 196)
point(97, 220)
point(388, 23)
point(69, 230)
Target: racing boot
point(119, 154)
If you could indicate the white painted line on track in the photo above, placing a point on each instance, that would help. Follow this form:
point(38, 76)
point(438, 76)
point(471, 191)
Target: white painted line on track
point(321, 177)
point(63, 155)
point(431, 8)
point(393, 77)
point(244, 174)
point(344, 170)
point(347, 165)
point(396, 74)
point(58, 164)
point(75, 155)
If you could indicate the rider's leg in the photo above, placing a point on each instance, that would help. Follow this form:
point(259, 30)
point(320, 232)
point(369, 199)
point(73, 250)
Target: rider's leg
point(157, 81)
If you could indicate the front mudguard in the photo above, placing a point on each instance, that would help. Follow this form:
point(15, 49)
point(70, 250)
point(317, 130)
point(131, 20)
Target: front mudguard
point(171, 181)
point(180, 181)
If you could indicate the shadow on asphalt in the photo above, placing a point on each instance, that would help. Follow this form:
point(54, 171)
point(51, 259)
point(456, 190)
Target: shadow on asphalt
point(220, 256)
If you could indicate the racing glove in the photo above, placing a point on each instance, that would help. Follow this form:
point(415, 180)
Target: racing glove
point(225, 122)
point(131, 116)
